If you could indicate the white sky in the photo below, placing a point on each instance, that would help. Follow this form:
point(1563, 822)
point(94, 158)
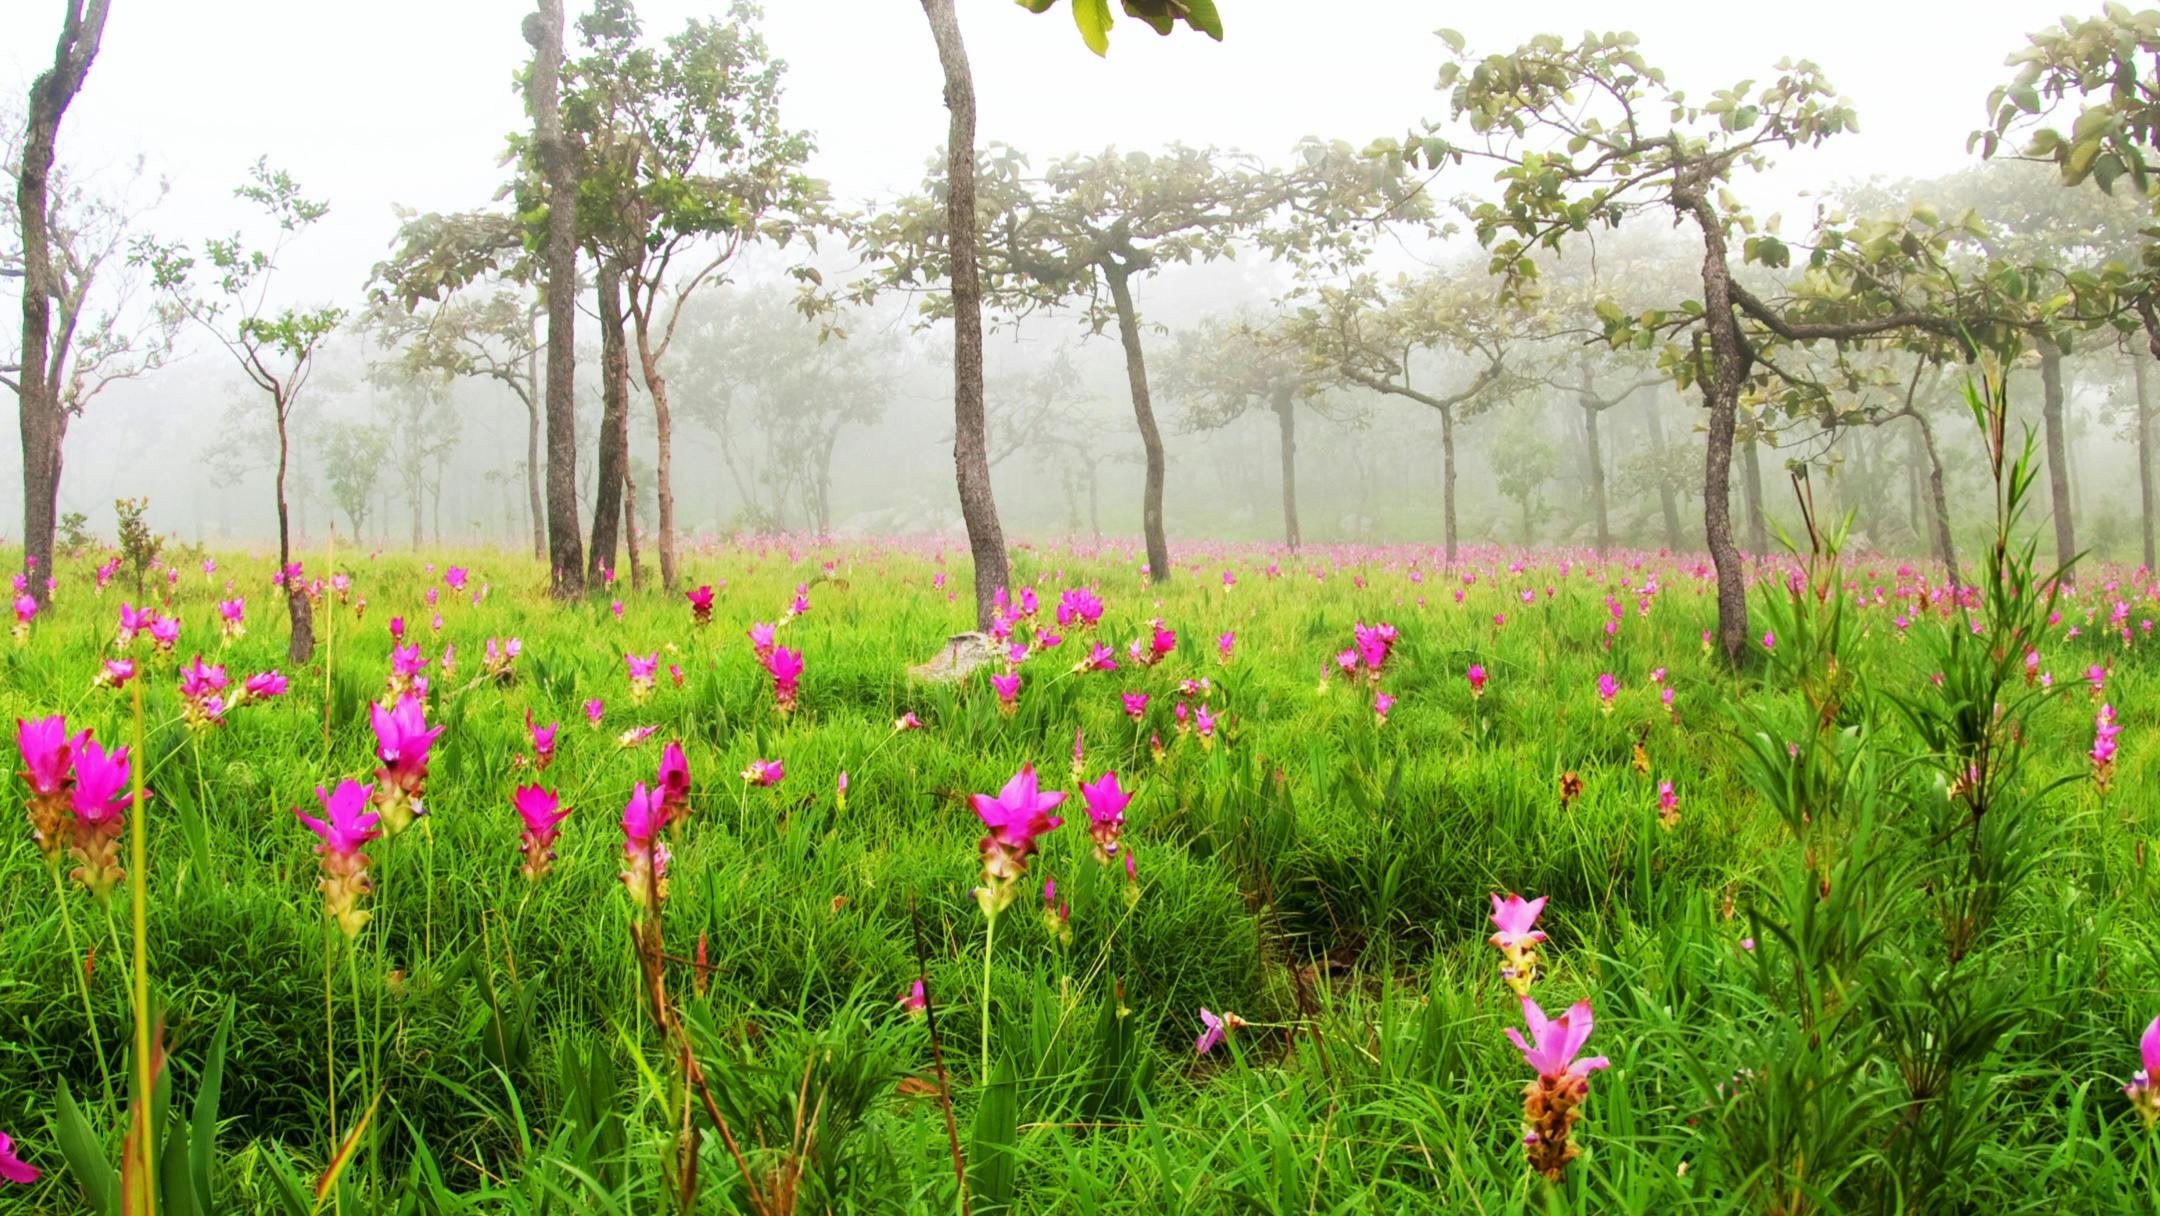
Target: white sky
point(407, 101)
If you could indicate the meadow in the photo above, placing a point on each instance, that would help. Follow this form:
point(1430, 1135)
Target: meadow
point(1854, 940)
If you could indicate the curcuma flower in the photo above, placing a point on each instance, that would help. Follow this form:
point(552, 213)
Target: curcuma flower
point(13, 1168)
point(700, 605)
point(202, 694)
point(1105, 804)
point(1668, 805)
point(1214, 1028)
point(345, 828)
point(1517, 936)
point(764, 773)
point(402, 740)
point(1551, 1102)
point(100, 804)
point(1018, 814)
point(48, 758)
point(671, 784)
point(543, 815)
point(232, 618)
point(2144, 1087)
point(642, 669)
point(645, 858)
point(785, 667)
point(543, 741)
point(2105, 729)
point(113, 674)
point(1007, 687)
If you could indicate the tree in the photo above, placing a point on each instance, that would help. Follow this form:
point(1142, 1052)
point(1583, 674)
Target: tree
point(1587, 135)
point(493, 337)
point(276, 350)
point(689, 166)
point(352, 457)
point(1522, 462)
point(1093, 17)
point(1223, 369)
point(1367, 333)
point(39, 405)
point(557, 165)
point(1083, 231)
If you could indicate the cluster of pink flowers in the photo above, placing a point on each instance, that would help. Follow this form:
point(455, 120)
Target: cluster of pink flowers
point(204, 701)
point(78, 799)
point(498, 659)
point(1160, 643)
point(164, 631)
point(2105, 729)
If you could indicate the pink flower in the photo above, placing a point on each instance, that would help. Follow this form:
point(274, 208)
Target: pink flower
point(593, 709)
point(1099, 658)
point(543, 741)
point(1223, 645)
point(454, 578)
point(13, 1168)
point(345, 828)
point(1476, 677)
point(2105, 729)
point(644, 857)
point(700, 605)
point(402, 740)
point(764, 773)
point(1213, 1029)
point(1517, 937)
point(785, 667)
point(1079, 604)
point(1668, 804)
point(1382, 703)
point(1105, 804)
point(916, 1000)
point(47, 752)
point(1607, 688)
point(907, 721)
point(761, 639)
point(1007, 687)
point(114, 673)
point(542, 814)
point(1018, 814)
point(264, 684)
point(2144, 1087)
point(165, 631)
point(1555, 1043)
point(1135, 705)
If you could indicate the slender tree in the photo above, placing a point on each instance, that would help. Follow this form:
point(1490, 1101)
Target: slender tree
point(557, 165)
point(276, 350)
point(39, 404)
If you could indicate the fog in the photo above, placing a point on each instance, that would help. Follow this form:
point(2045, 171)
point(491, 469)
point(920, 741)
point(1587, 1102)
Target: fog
point(394, 108)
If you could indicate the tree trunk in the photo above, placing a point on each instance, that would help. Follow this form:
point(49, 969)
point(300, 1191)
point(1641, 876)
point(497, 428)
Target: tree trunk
point(532, 458)
point(1596, 461)
point(629, 510)
point(2144, 460)
point(971, 462)
point(1286, 419)
point(613, 463)
point(1447, 475)
point(1151, 521)
point(1938, 501)
point(1668, 502)
point(302, 643)
point(2051, 412)
point(544, 31)
point(1758, 532)
point(663, 428)
point(1728, 363)
point(38, 398)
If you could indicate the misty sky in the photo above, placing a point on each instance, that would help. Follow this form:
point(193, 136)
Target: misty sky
point(407, 101)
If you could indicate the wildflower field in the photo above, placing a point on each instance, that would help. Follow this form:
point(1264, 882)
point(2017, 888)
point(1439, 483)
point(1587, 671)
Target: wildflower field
point(1849, 939)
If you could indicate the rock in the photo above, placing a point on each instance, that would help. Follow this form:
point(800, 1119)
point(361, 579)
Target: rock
point(963, 653)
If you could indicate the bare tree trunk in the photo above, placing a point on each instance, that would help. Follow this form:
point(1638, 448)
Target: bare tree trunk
point(1596, 460)
point(1286, 420)
point(1938, 501)
point(2144, 460)
point(629, 509)
point(532, 457)
point(663, 427)
point(38, 397)
point(1151, 520)
point(971, 463)
point(1668, 502)
point(1447, 475)
point(544, 31)
point(613, 462)
point(1728, 363)
point(1758, 532)
point(302, 643)
point(2058, 462)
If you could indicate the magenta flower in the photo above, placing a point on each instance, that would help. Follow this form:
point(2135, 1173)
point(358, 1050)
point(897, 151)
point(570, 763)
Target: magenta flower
point(202, 688)
point(402, 740)
point(642, 668)
point(1372, 644)
point(1135, 705)
point(916, 1000)
point(543, 741)
point(132, 622)
point(1100, 657)
point(2102, 754)
point(672, 783)
point(48, 755)
point(1018, 814)
point(764, 773)
point(907, 721)
point(2144, 1087)
point(801, 603)
point(114, 674)
point(1550, 1103)
point(1668, 805)
point(1607, 688)
point(1160, 643)
point(1381, 704)
point(1079, 605)
point(700, 605)
point(165, 631)
point(644, 857)
point(593, 709)
point(785, 667)
point(1223, 645)
point(1105, 804)
point(1769, 640)
point(397, 630)
point(264, 684)
point(100, 802)
point(761, 639)
point(232, 617)
point(454, 578)
point(345, 828)
point(1517, 937)
point(542, 814)
point(13, 1168)
point(1214, 1029)
point(1007, 687)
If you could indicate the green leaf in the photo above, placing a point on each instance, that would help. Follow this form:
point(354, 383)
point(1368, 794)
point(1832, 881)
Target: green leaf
point(86, 1159)
point(1093, 18)
point(994, 1146)
point(1453, 38)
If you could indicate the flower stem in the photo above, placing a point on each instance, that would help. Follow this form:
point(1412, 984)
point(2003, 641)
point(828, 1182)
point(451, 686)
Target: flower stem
point(989, 937)
point(138, 894)
point(82, 982)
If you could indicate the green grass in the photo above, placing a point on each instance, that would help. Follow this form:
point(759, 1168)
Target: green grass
point(1323, 875)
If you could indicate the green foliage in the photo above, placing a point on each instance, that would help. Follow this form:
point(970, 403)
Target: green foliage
point(1093, 17)
point(139, 545)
